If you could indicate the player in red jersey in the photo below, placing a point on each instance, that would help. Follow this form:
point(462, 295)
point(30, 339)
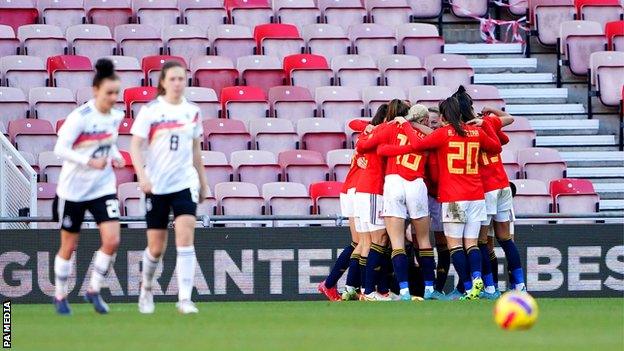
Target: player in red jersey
point(350, 256)
point(498, 197)
point(460, 190)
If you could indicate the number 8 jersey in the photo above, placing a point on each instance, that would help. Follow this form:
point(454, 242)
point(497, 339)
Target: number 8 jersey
point(169, 131)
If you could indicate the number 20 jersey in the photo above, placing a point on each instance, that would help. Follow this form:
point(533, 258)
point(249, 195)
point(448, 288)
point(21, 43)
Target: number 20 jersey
point(169, 131)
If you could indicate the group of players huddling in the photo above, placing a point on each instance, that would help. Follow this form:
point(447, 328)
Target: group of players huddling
point(170, 174)
point(439, 170)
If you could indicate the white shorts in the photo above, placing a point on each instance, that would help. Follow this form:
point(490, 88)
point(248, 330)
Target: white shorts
point(498, 204)
point(404, 198)
point(346, 203)
point(512, 228)
point(367, 211)
point(435, 213)
point(462, 219)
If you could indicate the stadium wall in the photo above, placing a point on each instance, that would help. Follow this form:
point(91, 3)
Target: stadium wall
point(287, 263)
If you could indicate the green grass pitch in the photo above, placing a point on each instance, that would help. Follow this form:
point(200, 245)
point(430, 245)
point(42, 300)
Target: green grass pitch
point(563, 324)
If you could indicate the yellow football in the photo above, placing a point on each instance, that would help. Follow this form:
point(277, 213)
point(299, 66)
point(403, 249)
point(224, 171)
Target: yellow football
point(515, 310)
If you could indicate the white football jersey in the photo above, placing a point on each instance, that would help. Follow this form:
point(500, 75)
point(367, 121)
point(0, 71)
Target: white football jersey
point(169, 131)
point(87, 134)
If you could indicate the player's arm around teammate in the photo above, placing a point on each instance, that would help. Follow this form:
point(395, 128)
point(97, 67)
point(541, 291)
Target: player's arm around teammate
point(172, 178)
point(86, 143)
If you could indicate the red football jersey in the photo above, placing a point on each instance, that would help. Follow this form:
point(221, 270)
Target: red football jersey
point(459, 178)
point(409, 165)
point(432, 174)
point(371, 179)
point(492, 171)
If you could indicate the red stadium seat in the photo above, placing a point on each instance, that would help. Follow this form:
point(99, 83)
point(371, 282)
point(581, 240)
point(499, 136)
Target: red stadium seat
point(51, 104)
point(470, 8)
point(510, 162)
point(244, 103)
point(214, 72)
point(357, 71)
point(249, 13)
point(277, 39)
point(32, 135)
point(128, 70)
point(24, 72)
point(186, 41)
point(308, 71)
point(402, 71)
point(130, 195)
point(226, 135)
point(231, 41)
point(429, 95)
point(91, 40)
point(158, 13)
point(16, 13)
point(273, 134)
point(50, 166)
point(426, 9)
point(303, 166)
point(388, 12)
point(286, 198)
point(45, 198)
point(606, 77)
point(9, 44)
point(376, 96)
point(518, 7)
point(62, 14)
point(577, 40)
point(541, 163)
point(203, 13)
point(546, 17)
point(572, 196)
point(151, 66)
point(261, 71)
point(321, 134)
point(124, 137)
point(216, 168)
point(299, 13)
point(125, 174)
point(291, 102)
point(69, 71)
point(256, 166)
point(419, 39)
point(372, 39)
point(521, 134)
point(239, 198)
point(110, 13)
point(14, 105)
point(449, 70)
point(339, 103)
point(485, 95)
point(42, 40)
point(136, 97)
point(614, 31)
point(531, 197)
point(138, 40)
point(343, 13)
point(206, 99)
point(326, 40)
point(601, 11)
point(339, 161)
point(326, 196)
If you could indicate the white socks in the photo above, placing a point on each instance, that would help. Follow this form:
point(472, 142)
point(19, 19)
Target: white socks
point(490, 289)
point(101, 264)
point(404, 291)
point(428, 289)
point(149, 268)
point(62, 267)
point(185, 267)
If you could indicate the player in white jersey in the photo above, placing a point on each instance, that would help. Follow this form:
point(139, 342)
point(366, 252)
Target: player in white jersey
point(173, 179)
point(87, 144)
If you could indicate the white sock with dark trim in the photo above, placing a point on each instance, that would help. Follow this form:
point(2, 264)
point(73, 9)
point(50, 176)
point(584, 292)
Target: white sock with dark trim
point(62, 267)
point(101, 265)
point(185, 267)
point(150, 264)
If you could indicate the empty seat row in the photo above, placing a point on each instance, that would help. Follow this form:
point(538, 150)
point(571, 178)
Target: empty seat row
point(566, 195)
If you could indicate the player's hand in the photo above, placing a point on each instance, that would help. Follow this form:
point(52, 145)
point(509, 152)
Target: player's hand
point(146, 186)
point(487, 110)
point(362, 163)
point(119, 163)
point(98, 163)
point(476, 122)
point(400, 120)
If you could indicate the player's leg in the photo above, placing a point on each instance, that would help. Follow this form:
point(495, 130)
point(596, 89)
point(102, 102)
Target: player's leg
point(395, 214)
point(454, 235)
point(489, 291)
point(157, 218)
point(385, 276)
point(502, 231)
point(475, 215)
point(374, 261)
point(105, 210)
point(71, 215)
point(353, 274)
point(444, 257)
point(184, 204)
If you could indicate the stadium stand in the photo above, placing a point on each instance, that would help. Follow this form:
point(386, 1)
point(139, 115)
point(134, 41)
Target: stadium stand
point(278, 82)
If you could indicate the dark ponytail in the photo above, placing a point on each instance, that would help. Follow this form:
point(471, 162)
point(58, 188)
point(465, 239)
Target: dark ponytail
point(449, 109)
point(396, 108)
point(163, 73)
point(104, 69)
point(465, 104)
point(380, 115)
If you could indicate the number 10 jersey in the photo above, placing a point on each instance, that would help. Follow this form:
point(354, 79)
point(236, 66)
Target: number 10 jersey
point(169, 131)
